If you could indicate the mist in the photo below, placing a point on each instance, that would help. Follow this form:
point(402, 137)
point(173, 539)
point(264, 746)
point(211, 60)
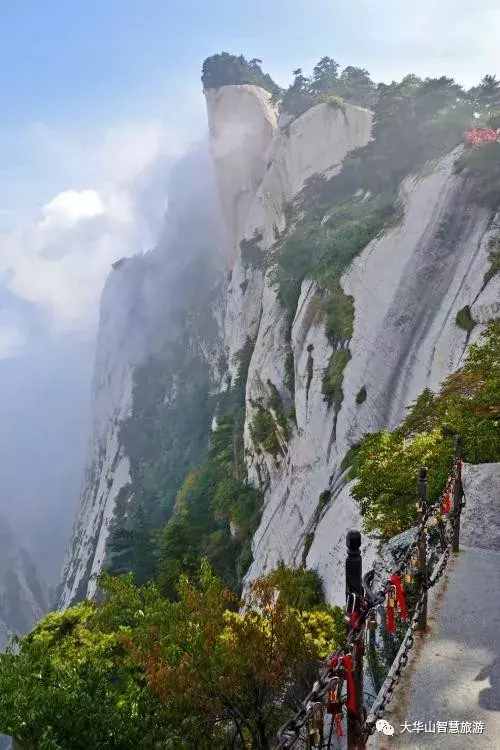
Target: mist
point(46, 391)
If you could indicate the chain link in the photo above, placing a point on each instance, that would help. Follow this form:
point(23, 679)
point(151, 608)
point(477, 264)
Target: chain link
point(289, 734)
point(395, 671)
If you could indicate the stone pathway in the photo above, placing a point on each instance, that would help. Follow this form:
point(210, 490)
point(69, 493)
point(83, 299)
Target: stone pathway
point(453, 674)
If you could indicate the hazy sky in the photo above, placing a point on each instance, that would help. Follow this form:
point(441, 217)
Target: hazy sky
point(91, 93)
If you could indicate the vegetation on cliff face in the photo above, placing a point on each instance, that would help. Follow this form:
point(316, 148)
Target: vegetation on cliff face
point(229, 70)
point(334, 219)
point(353, 86)
point(386, 463)
point(140, 670)
point(191, 496)
point(482, 166)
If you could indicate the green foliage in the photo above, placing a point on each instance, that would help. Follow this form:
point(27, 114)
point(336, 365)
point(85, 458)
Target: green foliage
point(339, 314)
point(165, 437)
point(494, 259)
point(229, 70)
point(251, 254)
point(469, 401)
point(356, 87)
point(310, 371)
point(139, 670)
point(482, 167)
point(494, 120)
point(353, 86)
point(264, 431)
point(298, 587)
point(322, 251)
point(275, 403)
point(486, 96)
point(333, 378)
point(464, 319)
point(386, 477)
point(216, 500)
point(386, 463)
point(415, 121)
point(70, 684)
point(349, 463)
point(191, 497)
point(309, 539)
point(290, 372)
point(361, 396)
point(324, 498)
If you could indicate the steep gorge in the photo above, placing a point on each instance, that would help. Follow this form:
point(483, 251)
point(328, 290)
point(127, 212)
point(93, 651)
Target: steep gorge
point(407, 284)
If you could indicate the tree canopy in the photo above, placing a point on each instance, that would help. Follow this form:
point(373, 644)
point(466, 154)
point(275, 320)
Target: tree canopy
point(229, 70)
point(204, 671)
point(353, 86)
point(386, 463)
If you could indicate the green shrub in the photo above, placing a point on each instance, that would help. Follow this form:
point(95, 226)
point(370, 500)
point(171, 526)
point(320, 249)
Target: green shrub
point(350, 462)
point(386, 477)
point(336, 102)
point(298, 587)
point(324, 498)
point(361, 396)
point(386, 463)
point(333, 377)
point(339, 315)
point(482, 167)
point(275, 403)
point(464, 319)
point(309, 539)
point(228, 70)
point(290, 372)
point(251, 254)
point(310, 373)
point(264, 431)
point(494, 259)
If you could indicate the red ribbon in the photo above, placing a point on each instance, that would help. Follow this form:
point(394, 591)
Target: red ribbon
point(338, 722)
point(446, 502)
point(333, 662)
point(400, 597)
point(390, 623)
point(351, 695)
point(353, 619)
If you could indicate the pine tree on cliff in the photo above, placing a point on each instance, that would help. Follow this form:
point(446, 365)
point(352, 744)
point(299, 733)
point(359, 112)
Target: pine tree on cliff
point(228, 70)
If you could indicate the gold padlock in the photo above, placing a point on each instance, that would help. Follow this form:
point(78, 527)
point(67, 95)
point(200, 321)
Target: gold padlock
point(334, 705)
point(371, 624)
point(391, 602)
point(408, 577)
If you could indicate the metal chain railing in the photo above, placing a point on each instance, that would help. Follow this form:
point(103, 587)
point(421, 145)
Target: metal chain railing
point(362, 610)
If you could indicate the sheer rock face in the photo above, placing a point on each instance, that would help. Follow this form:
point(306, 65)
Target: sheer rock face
point(22, 599)
point(314, 143)
point(144, 306)
point(408, 286)
point(480, 524)
point(242, 123)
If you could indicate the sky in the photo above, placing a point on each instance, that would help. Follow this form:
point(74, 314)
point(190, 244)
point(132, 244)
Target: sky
point(91, 94)
point(97, 101)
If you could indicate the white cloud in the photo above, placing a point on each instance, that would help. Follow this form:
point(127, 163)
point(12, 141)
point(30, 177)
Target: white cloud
point(59, 259)
point(70, 207)
point(392, 38)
